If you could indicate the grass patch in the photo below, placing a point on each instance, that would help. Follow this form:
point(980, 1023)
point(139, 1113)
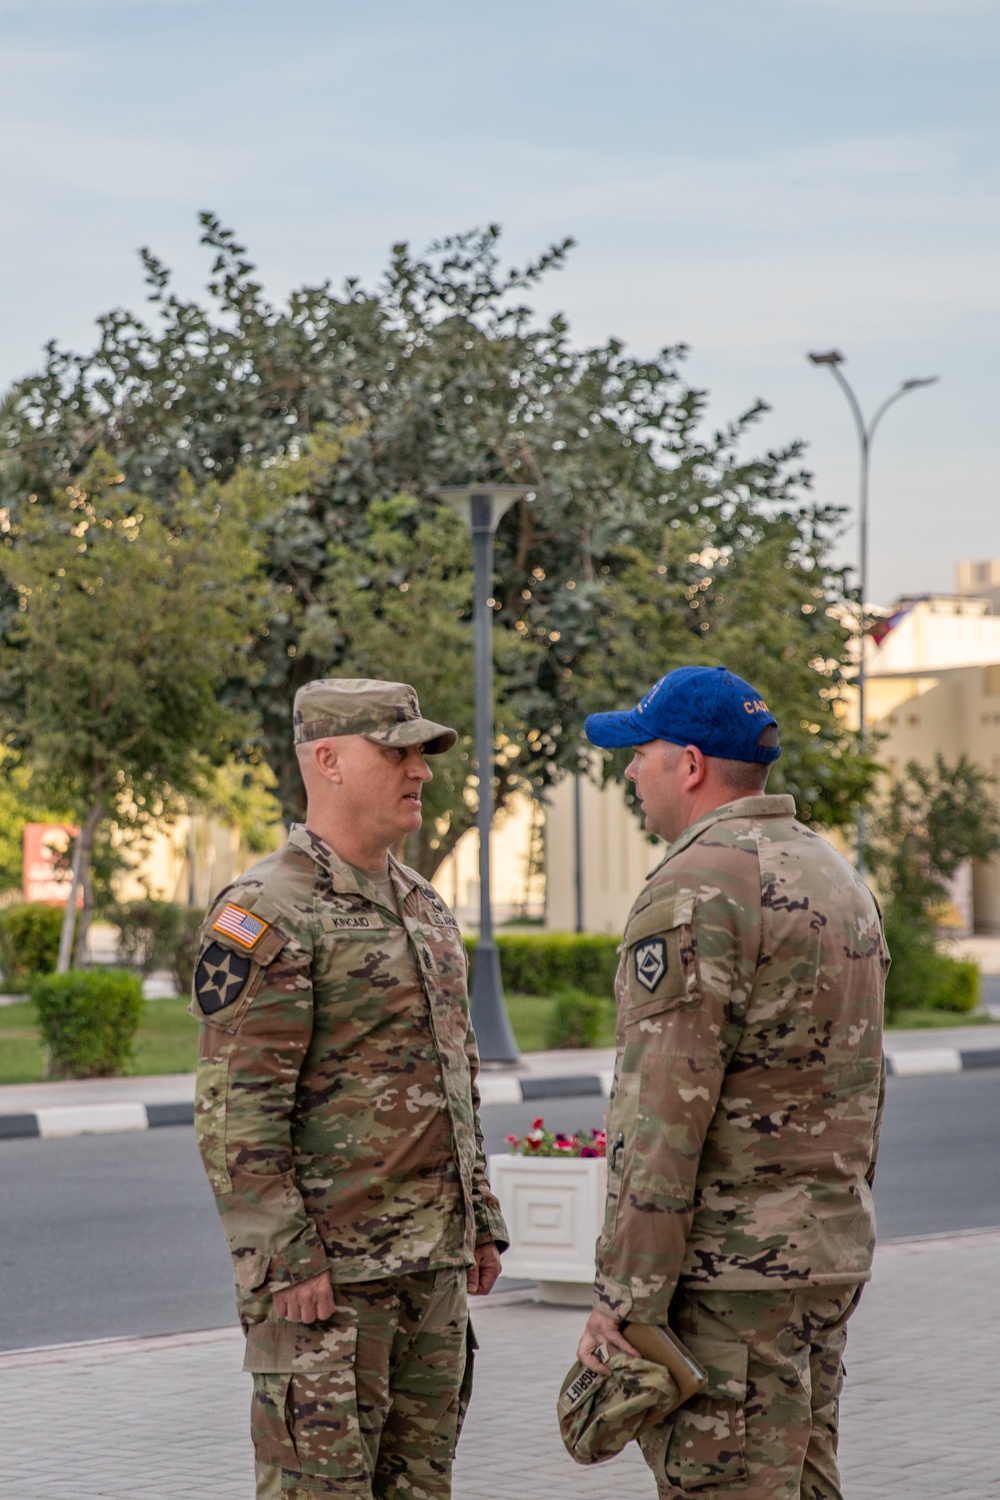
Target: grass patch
point(935, 1020)
point(166, 1042)
point(529, 1017)
point(22, 1056)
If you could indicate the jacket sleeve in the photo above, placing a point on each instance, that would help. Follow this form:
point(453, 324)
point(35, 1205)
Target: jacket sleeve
point(250, 1055)
point(685, 972)
point(490, 1225)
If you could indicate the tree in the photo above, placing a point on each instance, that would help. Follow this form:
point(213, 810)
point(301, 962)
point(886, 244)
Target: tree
point(931, 821)
point(648, 542)
point(132, 614)
point(928, 824)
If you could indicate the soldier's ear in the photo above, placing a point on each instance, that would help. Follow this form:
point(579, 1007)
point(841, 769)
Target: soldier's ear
point(324, 761)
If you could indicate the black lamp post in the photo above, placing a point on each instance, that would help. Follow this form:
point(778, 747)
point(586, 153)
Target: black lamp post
point(866, 433)
point(481, 507)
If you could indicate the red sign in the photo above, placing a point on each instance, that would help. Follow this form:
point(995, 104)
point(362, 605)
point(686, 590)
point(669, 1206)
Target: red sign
point(46, 873)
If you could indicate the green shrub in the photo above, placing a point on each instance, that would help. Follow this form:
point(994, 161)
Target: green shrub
point(922, 978)
point(149, 933)
point(550, 961)
point(575, 1020)
point(29, 942)
point(88, 1019)
point(186, 954)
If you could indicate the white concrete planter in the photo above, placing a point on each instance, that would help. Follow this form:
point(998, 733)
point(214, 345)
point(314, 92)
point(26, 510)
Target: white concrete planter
point(554, 1207)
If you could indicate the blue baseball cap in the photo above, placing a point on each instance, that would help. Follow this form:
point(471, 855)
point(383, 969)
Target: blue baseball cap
point(709, 707)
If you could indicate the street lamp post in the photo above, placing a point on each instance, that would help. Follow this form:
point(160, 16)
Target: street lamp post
point(482, 506)
point(833, 359)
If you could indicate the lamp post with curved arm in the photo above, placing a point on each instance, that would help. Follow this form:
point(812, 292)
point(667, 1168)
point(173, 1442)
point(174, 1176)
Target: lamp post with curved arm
point(866, 434)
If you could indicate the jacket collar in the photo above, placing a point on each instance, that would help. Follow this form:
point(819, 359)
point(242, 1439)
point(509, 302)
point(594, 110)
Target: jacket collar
point(778, 806)
point(345, 878)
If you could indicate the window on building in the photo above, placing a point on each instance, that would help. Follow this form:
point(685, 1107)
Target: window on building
point(991, 680)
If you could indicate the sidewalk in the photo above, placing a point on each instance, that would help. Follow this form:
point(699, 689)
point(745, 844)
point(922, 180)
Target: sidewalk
point(166, 1418)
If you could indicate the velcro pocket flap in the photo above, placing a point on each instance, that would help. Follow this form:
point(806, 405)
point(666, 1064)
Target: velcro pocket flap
point(279, 1347)
point(672, 909)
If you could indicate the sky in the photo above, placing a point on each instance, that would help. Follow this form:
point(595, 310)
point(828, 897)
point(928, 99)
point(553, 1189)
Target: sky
point(753, 178)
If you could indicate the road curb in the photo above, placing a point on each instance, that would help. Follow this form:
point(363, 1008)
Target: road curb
point(494, 1088)
point(93, 1119)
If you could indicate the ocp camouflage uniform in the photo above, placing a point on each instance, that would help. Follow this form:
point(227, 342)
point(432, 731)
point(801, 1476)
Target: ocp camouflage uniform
point(742, 1136)
point(337, 1117)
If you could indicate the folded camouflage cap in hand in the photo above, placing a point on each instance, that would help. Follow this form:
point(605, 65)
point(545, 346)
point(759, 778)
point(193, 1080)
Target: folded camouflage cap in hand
point(599, 1415)
point(387, 713)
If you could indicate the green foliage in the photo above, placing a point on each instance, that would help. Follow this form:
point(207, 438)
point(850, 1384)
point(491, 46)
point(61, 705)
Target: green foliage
point(29, 942)
point(132, 614)
point(552, 961)
point(929, 823)
point(159, 935)
point(186, 952)
point(648, 543)
point(20, 802)
point(921, 977)
point(88, 1020)
point(575, 1020)
point(149, 932)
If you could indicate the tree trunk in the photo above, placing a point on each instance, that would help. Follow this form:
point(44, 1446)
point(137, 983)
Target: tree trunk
point(82, 856)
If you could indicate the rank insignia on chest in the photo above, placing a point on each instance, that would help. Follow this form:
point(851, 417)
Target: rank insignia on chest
point(220, 977)
point(650, 962)
point(240, 925)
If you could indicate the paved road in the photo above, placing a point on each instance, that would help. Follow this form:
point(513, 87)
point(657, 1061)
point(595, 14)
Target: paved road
point(118, 1235)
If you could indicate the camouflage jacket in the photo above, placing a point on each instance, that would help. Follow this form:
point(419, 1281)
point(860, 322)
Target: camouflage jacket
point(332, 1030)
point(747, 1097)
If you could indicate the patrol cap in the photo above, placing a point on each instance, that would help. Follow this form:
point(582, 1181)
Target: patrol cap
point(387, 713)
point(599, 1415)
point(709, 707)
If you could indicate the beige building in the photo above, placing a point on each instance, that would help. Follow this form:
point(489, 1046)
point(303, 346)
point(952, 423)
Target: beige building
point(933, 687)
point(616, 857)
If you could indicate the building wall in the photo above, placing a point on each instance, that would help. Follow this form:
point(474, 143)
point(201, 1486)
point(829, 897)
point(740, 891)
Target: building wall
point(617, 858)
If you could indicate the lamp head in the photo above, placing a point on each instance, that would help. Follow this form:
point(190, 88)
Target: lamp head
point(913, 385)
point(831, 357)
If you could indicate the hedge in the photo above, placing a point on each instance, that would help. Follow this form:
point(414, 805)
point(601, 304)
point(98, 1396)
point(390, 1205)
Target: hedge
point(29, 942)
point(550, 961)
point(921, 977)
point(88, 1019)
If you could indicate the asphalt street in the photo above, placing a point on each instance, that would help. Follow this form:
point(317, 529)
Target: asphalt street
point(117, 1235)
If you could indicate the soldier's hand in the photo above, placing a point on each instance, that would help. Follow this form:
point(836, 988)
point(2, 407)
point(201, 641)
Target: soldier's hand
point(481, 1277)
point(306, 1301)
point(601, 1329)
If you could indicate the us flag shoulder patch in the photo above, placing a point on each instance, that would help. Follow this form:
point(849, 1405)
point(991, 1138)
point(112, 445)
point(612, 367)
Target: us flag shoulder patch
point(239, 924)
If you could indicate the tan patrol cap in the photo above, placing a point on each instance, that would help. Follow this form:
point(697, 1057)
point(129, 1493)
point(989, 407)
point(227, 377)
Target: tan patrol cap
point(599, 1415)
point(387, 713)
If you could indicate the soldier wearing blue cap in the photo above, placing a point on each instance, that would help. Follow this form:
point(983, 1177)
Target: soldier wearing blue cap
point(744, 1116)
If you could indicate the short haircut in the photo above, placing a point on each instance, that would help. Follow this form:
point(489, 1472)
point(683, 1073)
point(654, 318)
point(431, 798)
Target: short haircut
point(748, 778)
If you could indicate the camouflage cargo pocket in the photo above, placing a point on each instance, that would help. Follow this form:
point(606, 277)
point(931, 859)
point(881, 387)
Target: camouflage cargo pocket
point(304, 1415)
point(211, 1104)
point(706, 1446)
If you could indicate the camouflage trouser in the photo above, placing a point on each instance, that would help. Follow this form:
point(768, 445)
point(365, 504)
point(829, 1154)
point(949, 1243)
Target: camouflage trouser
point(766, 1427)
point(375, 1419)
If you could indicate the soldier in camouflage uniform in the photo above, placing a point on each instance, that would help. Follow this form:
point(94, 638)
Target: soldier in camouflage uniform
point(748, 1088)
point(337, 1117)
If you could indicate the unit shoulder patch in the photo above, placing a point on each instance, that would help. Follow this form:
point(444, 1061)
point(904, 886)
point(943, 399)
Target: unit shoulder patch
point(220, 978)
point(240, 925)
point(650, 962)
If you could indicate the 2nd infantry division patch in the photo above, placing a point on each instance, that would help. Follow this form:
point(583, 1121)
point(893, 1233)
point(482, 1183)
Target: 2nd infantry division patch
point(220, 977)
point(650, 962)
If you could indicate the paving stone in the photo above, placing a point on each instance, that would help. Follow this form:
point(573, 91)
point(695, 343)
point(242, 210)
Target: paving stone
point(125, 1419)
